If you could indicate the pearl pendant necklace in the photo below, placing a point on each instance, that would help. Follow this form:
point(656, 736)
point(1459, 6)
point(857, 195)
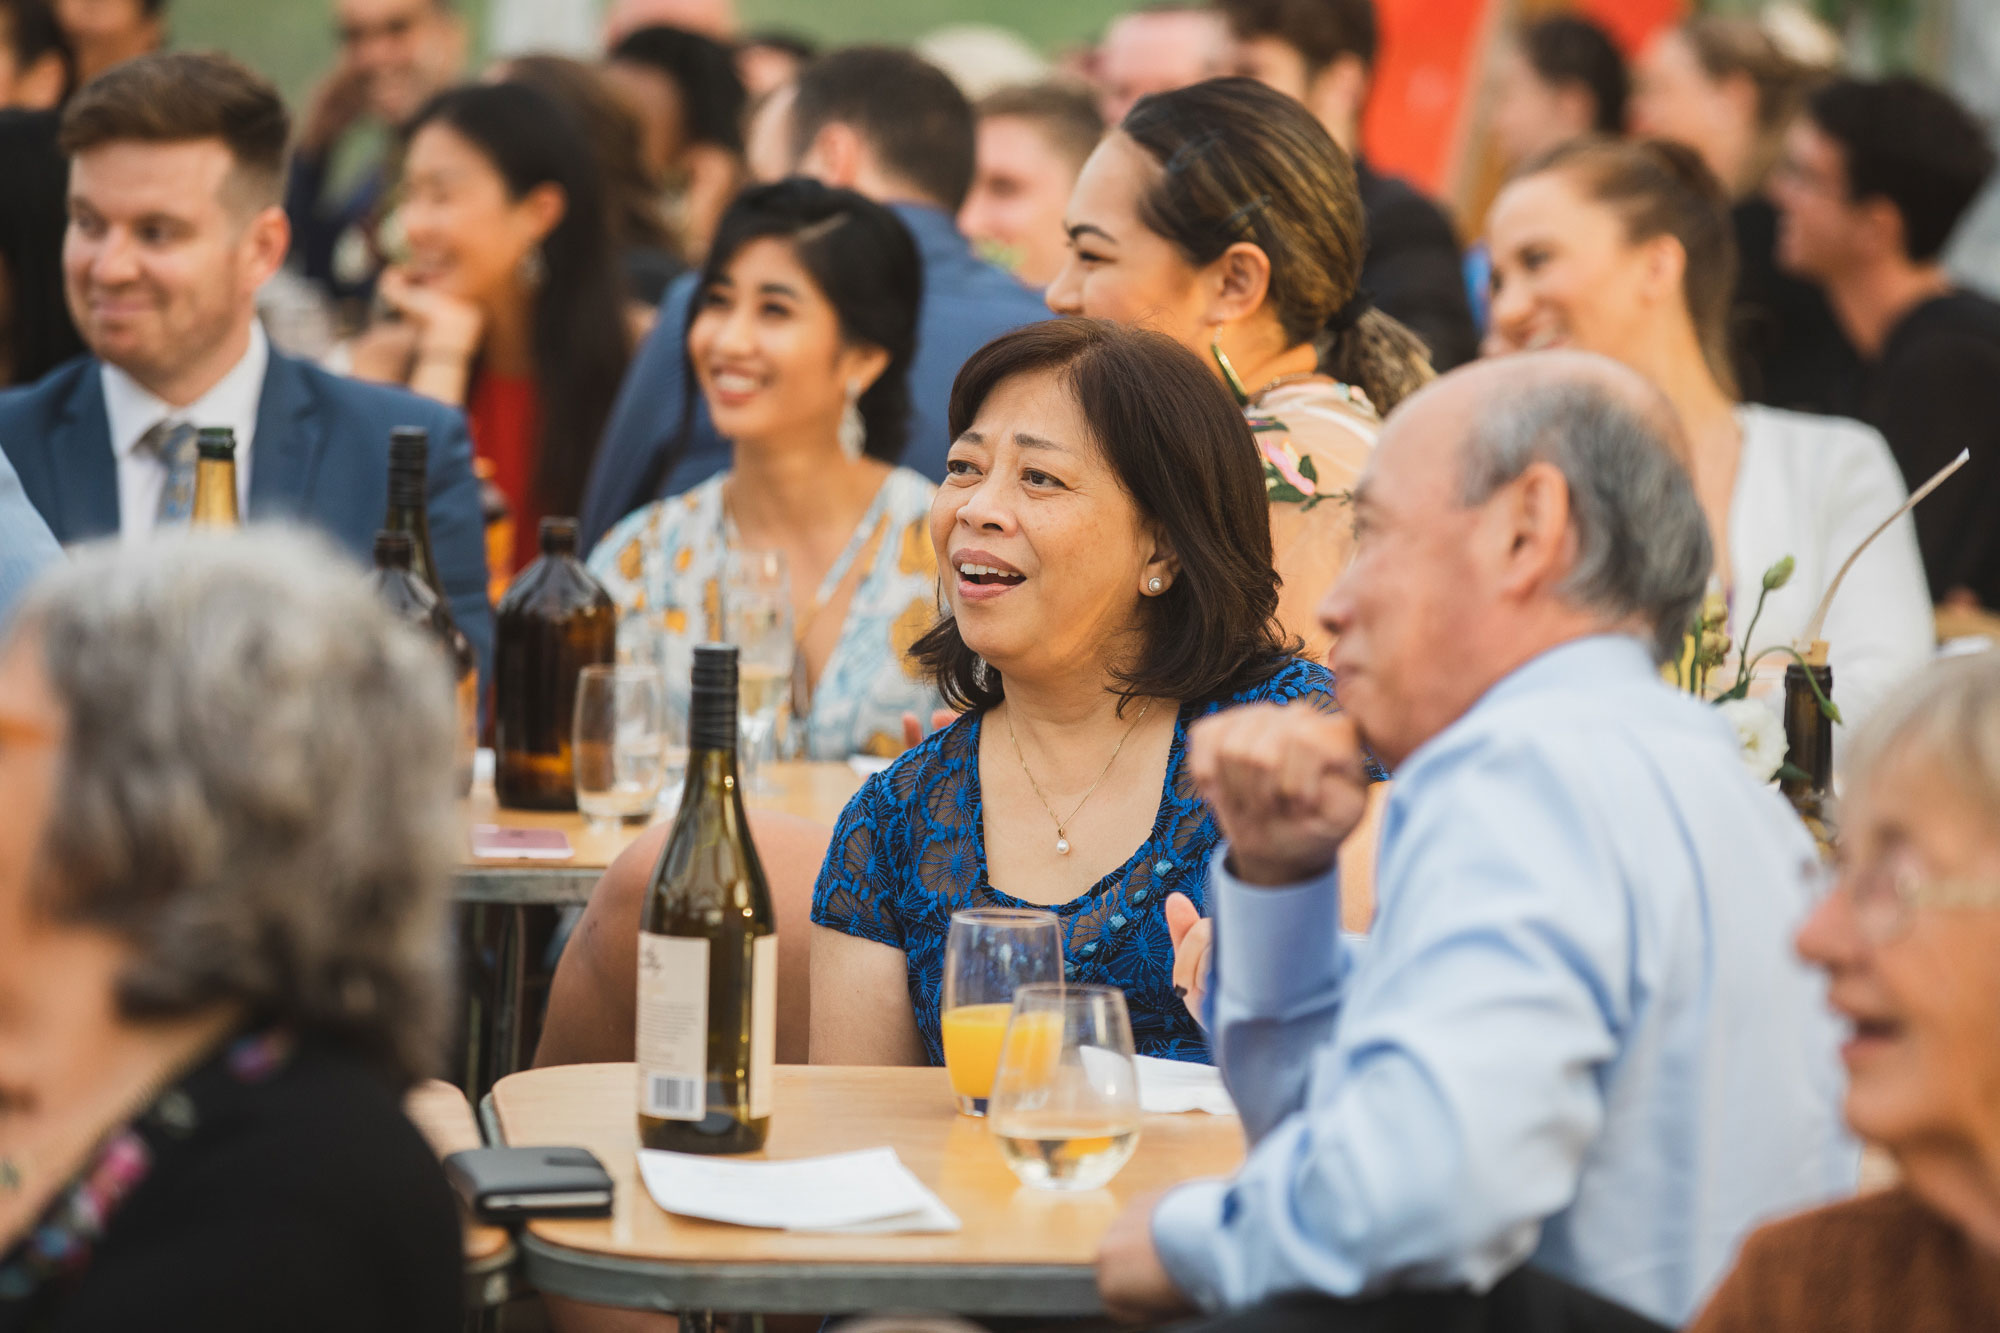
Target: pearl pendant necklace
point(1062, 836)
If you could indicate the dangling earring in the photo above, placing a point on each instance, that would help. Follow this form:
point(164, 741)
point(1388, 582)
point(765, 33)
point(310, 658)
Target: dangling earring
point(853, 430)
point(982, 675)
point(1229, 375)
point(534, 269)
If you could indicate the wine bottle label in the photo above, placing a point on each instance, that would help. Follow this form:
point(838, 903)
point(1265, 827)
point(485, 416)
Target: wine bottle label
point(673, 1026)
point(763, 1022)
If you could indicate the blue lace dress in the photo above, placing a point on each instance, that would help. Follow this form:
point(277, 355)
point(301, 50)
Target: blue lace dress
point(911, 850)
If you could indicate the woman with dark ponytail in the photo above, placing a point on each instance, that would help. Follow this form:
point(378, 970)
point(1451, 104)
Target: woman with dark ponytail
point(1223, 215)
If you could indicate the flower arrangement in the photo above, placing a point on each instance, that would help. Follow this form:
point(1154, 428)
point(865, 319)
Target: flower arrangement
point(1758, 730)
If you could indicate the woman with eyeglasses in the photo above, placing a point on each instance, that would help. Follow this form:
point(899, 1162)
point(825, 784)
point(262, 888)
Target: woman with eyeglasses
point(1910, 940)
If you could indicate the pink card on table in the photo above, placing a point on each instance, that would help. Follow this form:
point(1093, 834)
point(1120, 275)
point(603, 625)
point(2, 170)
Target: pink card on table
point(520, 844)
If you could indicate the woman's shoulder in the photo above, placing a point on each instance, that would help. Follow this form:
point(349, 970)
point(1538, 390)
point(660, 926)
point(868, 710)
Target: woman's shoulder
point(1289, 680)
point(693, 515)
point(1807, 439)
point(948, 756)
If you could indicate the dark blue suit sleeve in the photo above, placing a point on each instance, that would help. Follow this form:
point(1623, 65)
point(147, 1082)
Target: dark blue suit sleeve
point(458, 535)
point(643, 420)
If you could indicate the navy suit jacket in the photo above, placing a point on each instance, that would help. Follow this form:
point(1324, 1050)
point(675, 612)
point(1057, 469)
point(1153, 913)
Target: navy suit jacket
point(966, 304)
point(321, 455)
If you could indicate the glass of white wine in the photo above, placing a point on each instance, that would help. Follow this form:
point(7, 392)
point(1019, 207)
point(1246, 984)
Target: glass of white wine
point(757, 619)
point(1065, 1103)
point(619, 742)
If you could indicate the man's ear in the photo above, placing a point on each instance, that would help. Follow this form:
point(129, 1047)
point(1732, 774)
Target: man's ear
point(834, 157)
point(1533, 512)
point(1879, 227)
point(265, 243)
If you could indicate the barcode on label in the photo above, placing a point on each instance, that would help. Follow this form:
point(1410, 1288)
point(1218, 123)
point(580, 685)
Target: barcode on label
point(674, 1098)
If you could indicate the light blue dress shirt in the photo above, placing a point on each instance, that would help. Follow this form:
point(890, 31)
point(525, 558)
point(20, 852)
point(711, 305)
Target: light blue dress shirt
point(1577, 1032)
point(25, 542)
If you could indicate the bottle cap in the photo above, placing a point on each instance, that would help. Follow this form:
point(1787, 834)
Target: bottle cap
point(215, 442)
point(558, 536)
point(409, 449)
point(712, 709)
point(392, 550)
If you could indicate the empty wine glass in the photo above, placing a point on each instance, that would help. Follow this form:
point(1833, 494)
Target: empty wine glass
point(989, 955)
point(1065, 1104)
point(757, 619)
point(620, 743)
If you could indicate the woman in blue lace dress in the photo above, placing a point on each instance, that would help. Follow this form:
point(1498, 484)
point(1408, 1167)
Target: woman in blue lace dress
point(1107, 573)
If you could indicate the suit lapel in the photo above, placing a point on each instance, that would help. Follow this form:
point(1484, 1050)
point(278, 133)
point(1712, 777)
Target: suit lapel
point(81, 460)
point(284, 458)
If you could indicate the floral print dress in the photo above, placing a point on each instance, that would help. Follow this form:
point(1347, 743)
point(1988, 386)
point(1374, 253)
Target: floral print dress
point(663, 566)
point(1314, 436)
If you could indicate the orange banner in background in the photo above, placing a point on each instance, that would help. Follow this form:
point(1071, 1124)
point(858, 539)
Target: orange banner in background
point(1421, 112)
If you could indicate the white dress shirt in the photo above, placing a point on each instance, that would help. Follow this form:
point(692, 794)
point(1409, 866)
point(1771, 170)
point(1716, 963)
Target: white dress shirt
point(1813, 487)
point(132, 410)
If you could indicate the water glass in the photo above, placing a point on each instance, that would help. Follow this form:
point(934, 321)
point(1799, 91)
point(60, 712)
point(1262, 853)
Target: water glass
point(645, 639)
point(620, 743)
point(1065, 1103)
point(988, 956)
point(757, 619)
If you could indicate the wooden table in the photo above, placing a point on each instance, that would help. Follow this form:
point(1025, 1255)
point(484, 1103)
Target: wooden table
point(1021, 1251)
point(445, 1119)
point(810, 790)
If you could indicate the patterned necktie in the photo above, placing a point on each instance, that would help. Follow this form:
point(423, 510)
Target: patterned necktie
point(173, 441)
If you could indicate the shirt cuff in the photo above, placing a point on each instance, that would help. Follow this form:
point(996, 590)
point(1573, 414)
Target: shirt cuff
point(1187, 1235)
point(1274, 948)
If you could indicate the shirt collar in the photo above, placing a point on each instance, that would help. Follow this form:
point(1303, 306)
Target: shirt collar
point(1593, 658)
point(131, 409)
point(935, 232)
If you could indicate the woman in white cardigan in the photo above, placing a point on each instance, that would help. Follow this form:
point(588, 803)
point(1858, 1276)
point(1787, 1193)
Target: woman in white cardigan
point(1625, 248)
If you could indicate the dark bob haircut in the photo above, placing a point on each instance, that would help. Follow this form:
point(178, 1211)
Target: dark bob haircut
point(1183, 452)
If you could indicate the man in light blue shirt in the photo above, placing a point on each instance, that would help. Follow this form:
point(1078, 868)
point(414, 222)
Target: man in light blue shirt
point(25, 542)
point(1576, 1034)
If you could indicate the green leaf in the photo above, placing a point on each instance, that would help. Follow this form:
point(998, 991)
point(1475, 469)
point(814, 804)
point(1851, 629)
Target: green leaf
point(1308, 471)
point(1283, 492)
point(1791, 772)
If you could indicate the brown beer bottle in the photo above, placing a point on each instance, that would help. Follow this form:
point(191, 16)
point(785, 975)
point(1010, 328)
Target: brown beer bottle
point(214, 479)
point(409, 514)
point(554, 621)
point(1809, 749)
point(708, 950)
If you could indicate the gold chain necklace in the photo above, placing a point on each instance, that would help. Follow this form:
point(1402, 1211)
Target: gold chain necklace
point(1062, 838)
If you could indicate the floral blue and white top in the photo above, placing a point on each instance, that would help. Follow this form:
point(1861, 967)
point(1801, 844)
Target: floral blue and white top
point(911, 850)
point(663, 567)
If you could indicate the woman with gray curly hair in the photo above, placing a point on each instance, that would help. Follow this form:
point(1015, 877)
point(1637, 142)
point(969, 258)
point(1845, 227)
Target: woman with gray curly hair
point(226, 772)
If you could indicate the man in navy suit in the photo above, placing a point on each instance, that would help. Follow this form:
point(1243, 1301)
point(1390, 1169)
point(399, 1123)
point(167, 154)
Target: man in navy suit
point(888, 125)
point(176, 171)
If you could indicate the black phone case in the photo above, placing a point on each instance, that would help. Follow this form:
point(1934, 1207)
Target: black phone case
point(502, 1184)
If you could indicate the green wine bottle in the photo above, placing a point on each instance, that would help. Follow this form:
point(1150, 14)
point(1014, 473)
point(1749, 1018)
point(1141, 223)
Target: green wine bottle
point(708, 950)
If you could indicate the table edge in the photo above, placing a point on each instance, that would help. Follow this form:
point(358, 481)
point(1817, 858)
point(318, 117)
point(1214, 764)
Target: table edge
point(807, 1288)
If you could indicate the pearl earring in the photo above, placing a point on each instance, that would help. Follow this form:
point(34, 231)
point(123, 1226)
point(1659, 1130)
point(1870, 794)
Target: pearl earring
point(1153, 585)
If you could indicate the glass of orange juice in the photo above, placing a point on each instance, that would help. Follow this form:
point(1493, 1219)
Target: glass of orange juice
point(990, 953)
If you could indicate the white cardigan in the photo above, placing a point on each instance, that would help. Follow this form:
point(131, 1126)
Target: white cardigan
point(1812, 487)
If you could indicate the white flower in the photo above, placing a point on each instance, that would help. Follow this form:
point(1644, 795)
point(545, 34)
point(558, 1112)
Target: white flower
point(1761, 734)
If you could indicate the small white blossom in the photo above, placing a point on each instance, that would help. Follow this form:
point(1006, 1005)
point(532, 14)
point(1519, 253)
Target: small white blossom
point(1759, 732)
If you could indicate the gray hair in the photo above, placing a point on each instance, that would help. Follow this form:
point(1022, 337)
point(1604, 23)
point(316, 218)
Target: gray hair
point(1642, 540)
point(256, 786)
point(1949, 715)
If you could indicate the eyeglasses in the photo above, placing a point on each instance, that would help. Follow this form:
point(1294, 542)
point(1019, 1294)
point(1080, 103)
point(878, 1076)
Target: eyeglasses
point(1887, 901)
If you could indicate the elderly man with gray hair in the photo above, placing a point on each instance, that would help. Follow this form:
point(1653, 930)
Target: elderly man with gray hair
point(1576, 1036)
point(225, 769)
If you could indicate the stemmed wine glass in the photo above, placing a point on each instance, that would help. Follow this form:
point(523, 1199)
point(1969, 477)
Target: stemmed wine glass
point(989, 955)
point(757, 619)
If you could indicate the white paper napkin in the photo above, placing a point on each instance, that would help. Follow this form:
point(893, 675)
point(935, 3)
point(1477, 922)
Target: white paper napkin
point(868, 1192)
point(1172, 1086)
